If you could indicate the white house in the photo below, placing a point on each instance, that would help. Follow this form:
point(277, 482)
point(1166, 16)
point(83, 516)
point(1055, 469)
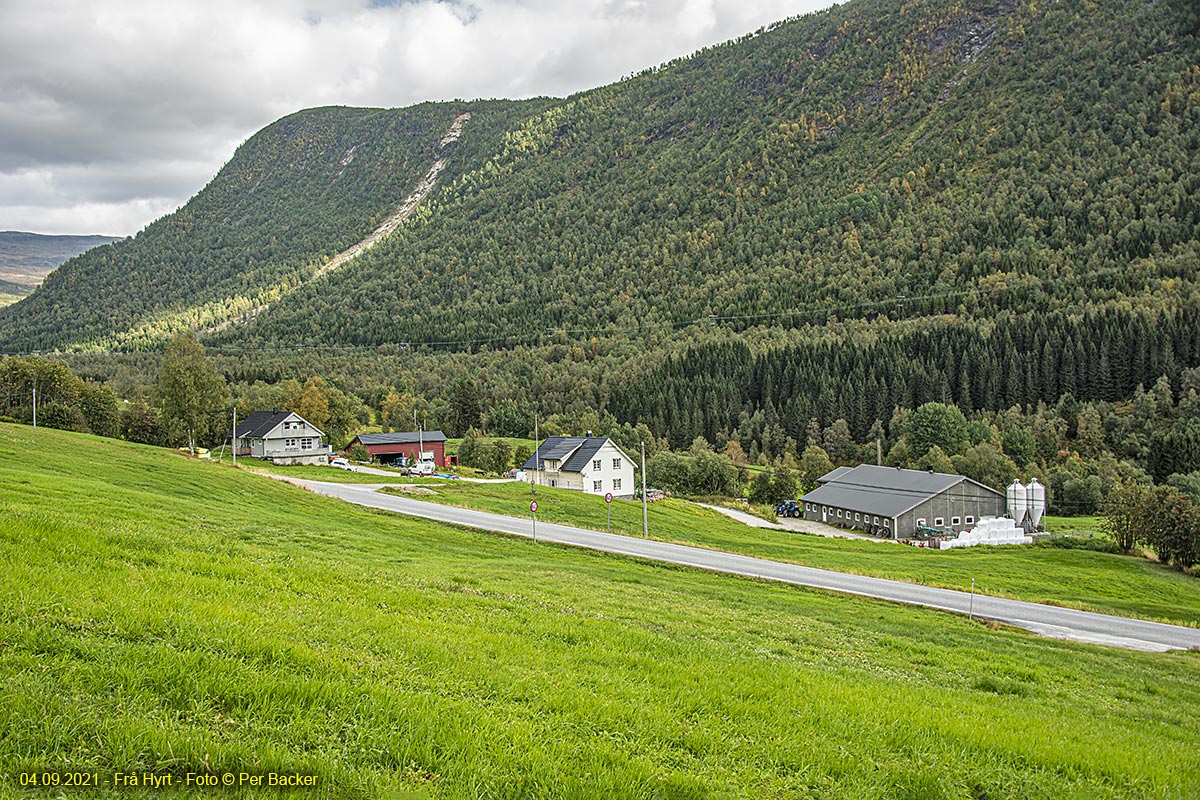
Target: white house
point(591, 464)
point(285, 437)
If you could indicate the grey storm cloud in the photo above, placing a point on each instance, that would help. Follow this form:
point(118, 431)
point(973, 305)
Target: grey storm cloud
point(114, 112)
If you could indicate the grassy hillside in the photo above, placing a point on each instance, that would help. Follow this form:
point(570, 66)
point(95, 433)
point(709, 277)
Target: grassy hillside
point(160, 614)
point(1085, 579)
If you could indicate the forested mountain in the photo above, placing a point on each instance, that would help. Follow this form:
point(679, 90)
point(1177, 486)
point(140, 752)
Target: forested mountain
point(833, 163)
point(875, 206)
point(295, 194)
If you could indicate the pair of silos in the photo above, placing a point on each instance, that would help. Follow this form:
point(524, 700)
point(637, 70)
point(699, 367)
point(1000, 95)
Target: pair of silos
point(1026, 503)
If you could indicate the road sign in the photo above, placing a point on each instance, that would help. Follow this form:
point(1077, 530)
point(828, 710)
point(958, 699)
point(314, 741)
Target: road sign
point(533, 506)
point(608, 497)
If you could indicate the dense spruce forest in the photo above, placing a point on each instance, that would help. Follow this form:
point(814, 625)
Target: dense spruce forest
point(802, 236)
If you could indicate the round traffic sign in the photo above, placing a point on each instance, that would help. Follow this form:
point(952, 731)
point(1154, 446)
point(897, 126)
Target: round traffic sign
point(608, 497)
point(533, 506)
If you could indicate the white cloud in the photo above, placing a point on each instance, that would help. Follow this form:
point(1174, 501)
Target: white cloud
point(116, 111)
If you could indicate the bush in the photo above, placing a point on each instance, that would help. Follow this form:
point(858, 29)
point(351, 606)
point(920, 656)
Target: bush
point(1098, 544)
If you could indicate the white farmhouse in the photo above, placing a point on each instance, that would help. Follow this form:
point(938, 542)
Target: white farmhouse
point(285, 437)
point(591, 464)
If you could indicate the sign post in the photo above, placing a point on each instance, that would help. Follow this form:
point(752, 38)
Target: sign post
point(608, 505)
point(533, 511)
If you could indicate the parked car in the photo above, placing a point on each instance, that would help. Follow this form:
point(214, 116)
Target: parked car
point(422, 469)
point(341, 463)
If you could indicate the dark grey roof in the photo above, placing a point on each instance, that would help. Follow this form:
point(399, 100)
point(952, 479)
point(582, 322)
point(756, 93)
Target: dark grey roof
point(555, 448)
point(260, 423)
point(583, 455)
point(401, 438)
point(834, 474)
point(885, 491)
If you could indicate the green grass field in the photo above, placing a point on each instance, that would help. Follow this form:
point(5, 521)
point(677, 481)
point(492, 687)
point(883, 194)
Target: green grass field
point(1078, 526)
point(1085, 579)
point(163, 615)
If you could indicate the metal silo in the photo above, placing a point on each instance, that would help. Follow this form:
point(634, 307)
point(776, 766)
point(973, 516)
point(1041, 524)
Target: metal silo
point(1018, 502)
point(1037, 502)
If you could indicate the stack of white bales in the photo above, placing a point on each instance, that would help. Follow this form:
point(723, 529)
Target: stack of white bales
point(990, 531)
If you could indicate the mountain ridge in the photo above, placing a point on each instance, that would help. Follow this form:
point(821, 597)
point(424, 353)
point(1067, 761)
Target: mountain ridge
point(918, 176)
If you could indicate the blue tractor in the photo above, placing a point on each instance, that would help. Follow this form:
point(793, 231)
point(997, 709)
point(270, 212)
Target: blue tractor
point(789, 508)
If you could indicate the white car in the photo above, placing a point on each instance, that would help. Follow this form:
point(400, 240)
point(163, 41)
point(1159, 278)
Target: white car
point(341, 463)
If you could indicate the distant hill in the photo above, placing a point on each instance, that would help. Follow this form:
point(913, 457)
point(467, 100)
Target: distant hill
point(27, 258)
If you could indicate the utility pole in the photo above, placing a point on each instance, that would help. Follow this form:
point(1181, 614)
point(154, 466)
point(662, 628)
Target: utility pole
point(35, 405)
point(537, 450)
point(879, 452)
point(233, 437)
point(645, 517)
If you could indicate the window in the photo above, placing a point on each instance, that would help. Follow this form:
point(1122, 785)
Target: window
point(596, 485)
point(921, 522)
point(839, 513)
point(877, 520)
point(616, 463)
point(306, 444)
point(939, 522)
point(955, 521)
point(887, 523)
point(596, 465)
point(970, 520)
point(856, 516)
point(616, 484)
point(290, 444)
point(806, 508)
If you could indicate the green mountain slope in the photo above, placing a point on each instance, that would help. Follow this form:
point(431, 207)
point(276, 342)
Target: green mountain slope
point(874, 206)
point(842, 159)
point(295, 194)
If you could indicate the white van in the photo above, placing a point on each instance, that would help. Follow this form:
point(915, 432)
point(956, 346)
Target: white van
point(422, 468)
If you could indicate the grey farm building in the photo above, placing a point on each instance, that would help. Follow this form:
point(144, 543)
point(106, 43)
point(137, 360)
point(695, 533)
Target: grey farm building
point(893, 502)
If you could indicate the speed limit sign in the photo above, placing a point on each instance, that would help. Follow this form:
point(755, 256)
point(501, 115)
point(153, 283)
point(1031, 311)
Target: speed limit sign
point(533, 506)
point(608, 497)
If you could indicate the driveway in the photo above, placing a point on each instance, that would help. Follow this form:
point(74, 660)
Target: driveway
point(1045, 620)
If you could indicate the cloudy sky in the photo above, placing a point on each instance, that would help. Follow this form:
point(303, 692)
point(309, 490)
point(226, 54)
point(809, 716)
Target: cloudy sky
point(115, 112)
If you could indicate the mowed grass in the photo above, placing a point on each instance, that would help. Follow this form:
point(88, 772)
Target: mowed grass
point(1125, 585)
point(167, 615)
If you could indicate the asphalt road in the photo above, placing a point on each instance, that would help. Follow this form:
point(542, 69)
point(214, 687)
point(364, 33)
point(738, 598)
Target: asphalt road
point(1051, 621)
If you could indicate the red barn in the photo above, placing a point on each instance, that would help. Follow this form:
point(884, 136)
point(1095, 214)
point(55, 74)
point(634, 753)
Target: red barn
point(416, 446)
